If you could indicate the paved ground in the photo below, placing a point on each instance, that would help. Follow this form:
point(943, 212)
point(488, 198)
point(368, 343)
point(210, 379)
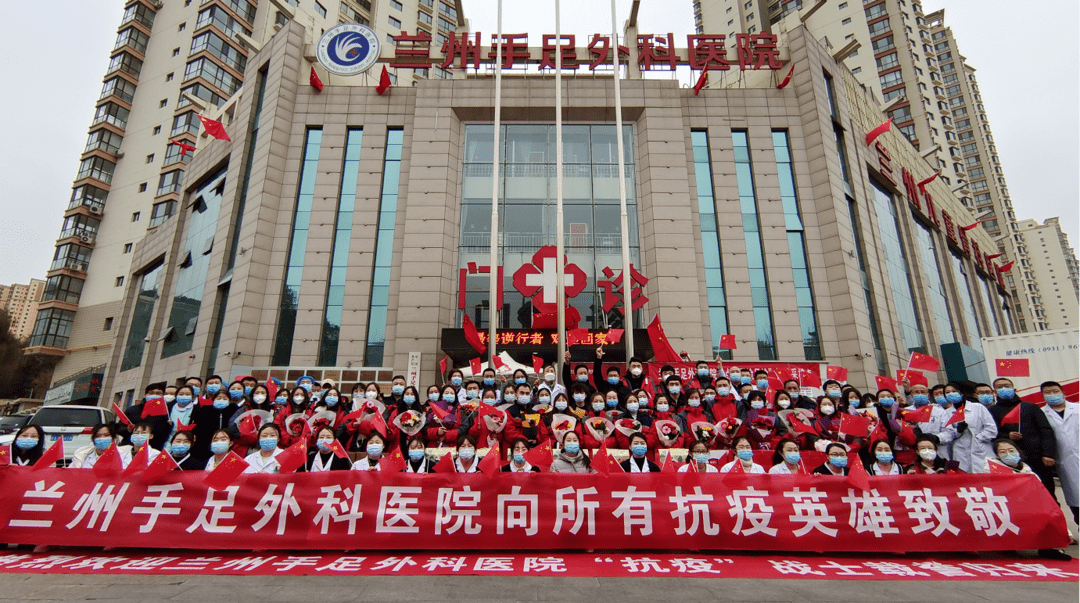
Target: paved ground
point(482, 589)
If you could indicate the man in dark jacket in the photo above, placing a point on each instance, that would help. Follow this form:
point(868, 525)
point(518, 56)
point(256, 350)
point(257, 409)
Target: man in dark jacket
point(160, 423)
point(1033, 436)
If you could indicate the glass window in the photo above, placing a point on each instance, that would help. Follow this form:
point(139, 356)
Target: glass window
point(321, 10)
point(141, 316)
point(883, 44)
point(710, 242)
point(962, 286)
point(339, 255)
point(170, 182)
point(219, 48)
point(119, 87)
point(139, 12)
point(891, 79)
point(896, 261)
point(226, 23)
point(62, 288)
point(214, 74)
point(988, 307)
point(105, 140)
point(96, 167)
point(755, 254)
point(111, 113)
point(198, 90)
point(290, 295)
point(878, 28)
point(132, 37)
point(127, 63)
point(71, 257)
point(384, 248)
point(161, 212)
point(185, 123)
point(52, 328)
point(888, 61)
point(936, 286)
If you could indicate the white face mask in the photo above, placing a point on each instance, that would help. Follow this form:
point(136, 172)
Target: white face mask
point(635, 372)
point(371, 395)
point(784, 403)
point(827, 410)
point(549, 377)
point(928, 454)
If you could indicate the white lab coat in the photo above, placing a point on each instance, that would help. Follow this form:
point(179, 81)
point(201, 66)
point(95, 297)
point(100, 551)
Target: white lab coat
point(1067, 432)
point(939, 416)
point(972, 447)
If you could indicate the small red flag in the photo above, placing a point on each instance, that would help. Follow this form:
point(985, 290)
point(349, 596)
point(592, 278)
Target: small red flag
point(380, 424)
point(854, 425)
point(703, 80)
point(338, 449)
point(810, 377)
point(138, 462)
point(957, 417)
point(776, 383)
point(787, 79)
point(614, 335)
point(314, 80)
point(923, 183)
point(477, 366)
point(914, 377)
point(604, 463)
point(120, 415)
point(727, 342)
point(922, 362)
point(577, 336)
point(226, 472)
point(998, 468)
point(393, 463)
point(185, 148)
point(857, 476)
point(182, 426)
point(472, 335)
point(538, 364)
point(801, 427)
point(1006, 267)
point(970, 227)
point(884, 382)
point(442, 366)
point(293, 457)
point(247, 425)
point(155, 407)
point(540, 456)
point(670, 465)
point(736, 469)
point(837, 373)
point(489, 465)
point(108, 463)
point(1014, 367)
point(995, 256)
point(161, 465)
point(878, 131)
point(662, 350)
point(52, 454)
point(384, 81)
point(214, 128)
point(1013, 416)
point(919, 416)
point(5, 456)
point(445, 464)
point(437, 410)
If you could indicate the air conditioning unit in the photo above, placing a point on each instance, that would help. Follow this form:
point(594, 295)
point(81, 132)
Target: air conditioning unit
point(158, 5)
point(119, 154)
point(86, 238)
point(96, 209)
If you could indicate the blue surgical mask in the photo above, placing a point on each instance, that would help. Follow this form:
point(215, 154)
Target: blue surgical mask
point(763, 384)
point(560, 405)
point(611, 403)
point(694, 403)
point(466, 454)
point(598, 406)
point(331, 400)
point(524, 399)
point(746, 380)
point(374, 450)
point(397, 390)
point(195, 389)
point(792, 458)
point(674, 390)
point(415, 454)
point(410, 399)
point(954, 397)
point(138, 439)
point(324, 444)
point(639, 450)
point(248, 389)
point(213, 388)
point(710, 398)
point(919, 399)
point(221, 404)
point(887, 402)
point(579, 397)
point(940, 400)
point(745, 455)
point(663, 407)
point(183, 400)
point(838, 461)
point(544, 399)
point(219, 447)
point(884, 457)
point(1011, 458)
point(280, 400)
point(236, 394)
point(306, 386)
point(1054, 399)
point(102, 443)
point(433, 397)
point(986, 399)
point(1006, 392)
point(268, 443)
point(520, 381)
point(613, 380)
point(854, 403)
point(572, 448)
point(702, 458)
point(583, 378)
point(28, 443)
point(631, 406)
point(489, 382)
point(472, 394)
point(834, 393)
point(510, 398)
point(519, 458)
point(703, 372)
point(179, 449)
point(456, 381)
point(448, 397)
point(723, 391)
point(757, 404)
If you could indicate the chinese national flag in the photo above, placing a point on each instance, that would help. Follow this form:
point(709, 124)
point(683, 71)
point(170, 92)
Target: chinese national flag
point(5, 456)
point(314, 80)
point(384, 81)
point(736, 469)
point(214, 128)
point(810, 377)
point(163, 464)
point(576, 336)
point(837, 373)
point(445, 464)
point(120, 415)
point(727, 342)
point(226, 472)
point(970, 227)
point(338, 449)
point(670, 465)
point(393, 463)
point(185, 148)
point(787, 79)
point(703, 80)
point(499, 364)
point(472, 335)
point(477, 365)
point(997, 468)
point(293, 457)
point(854, 425)
point(442, 365)
point(247, 425)
point(884, 382)
point(155, 407)
point(1015, 367)
point(913, 376)
point(957, 417)
point(138, 462)
point(857, 476)
point(1013, 417)
point(540, 456)
point(775, 383)
point(662, 350)
point(924, 182)
point(538, 364)
point(489, 465)
point(801, 427)
point(380, 423)
point(878, 131)
point(108, 463)
point(52, 454)
point(922, 362)
point(1006, 267)
point(604, 463)
point(614, 335)
point(439, 413)
point(919, 416)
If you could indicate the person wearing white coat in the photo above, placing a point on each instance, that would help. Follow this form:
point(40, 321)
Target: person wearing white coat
point(972, 437)
point(1064, 418)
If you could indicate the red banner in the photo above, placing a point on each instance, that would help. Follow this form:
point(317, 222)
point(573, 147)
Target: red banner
point(688, 370)
point(680, 511)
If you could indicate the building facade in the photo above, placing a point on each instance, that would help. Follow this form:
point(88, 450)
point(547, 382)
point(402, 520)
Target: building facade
point(339, 232)
point(171, 61)
point(1053, 266)
point(21, 304)
point(912, 61)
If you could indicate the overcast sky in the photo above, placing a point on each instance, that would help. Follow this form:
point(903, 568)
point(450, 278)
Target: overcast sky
point(1027, 70)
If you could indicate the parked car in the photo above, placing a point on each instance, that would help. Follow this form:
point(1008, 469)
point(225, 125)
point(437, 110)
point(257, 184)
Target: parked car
point(72, 423)
point(13, 423)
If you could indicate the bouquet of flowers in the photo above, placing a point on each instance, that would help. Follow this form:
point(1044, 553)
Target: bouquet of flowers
point(561, 424)
point(410, 422)
point(627, 426)
point(730, 428)
point(667, 431)
point(296, 425)
point(600, 428)
point(704, 431)
point(763, 425)
point(323, 418)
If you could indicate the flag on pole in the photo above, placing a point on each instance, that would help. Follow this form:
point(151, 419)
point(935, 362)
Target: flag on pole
point(662, 350)
point(836, 373)
point(120, 415)
point(477, 365)
point(921, 415)
point(858, 477)
point(538, 364)
point(924, 182)
point(108, 463)
point(970, 227)
point(185, 148)
point(922, 362)
point(226, 472)
point(384, 81)
point(445, 464)
point(489, 465)
point(727, 342)
point(214, 128)
point(293, 457)
point(540, 456)
point(884, 382)
point(52, 454)
point(614, 335)
point(854, 425)
point(1013, 416)
point(472, 335)
point(787, 79)
point(1013, 367)
point(878, 131)
point(442, 366)
point(1006, 267)
point(314, 80)
point(703, 80)
point(393, 463)
point(957, 417)
point(161, 465)
point(138, 462)
point(995, 256)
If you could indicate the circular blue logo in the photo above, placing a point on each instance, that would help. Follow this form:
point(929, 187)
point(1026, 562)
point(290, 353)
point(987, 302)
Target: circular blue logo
point(348, 49)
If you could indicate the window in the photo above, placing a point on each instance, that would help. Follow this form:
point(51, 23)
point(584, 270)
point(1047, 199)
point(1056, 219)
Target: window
point(127, 247)
point(888, 61)
point(168, 77)
point(119, 282)
point(710, 241)
point(62, 288)
point(749, 18)
point(893, 78)
point(445, 24)
point(163, 103)
point(926, 246)
point(844, 22)
point(96, 167)
point(321, 10)
point(169, 182)
point(883, 44)
point(423, 17)
point(875, 11)
point(127, 63)
point(182, 27)
point(396, 23)
point(135, 217)
point(133, 38)
point(759, 282)
point(52, 328)
point(339, 254)
point(879, 27)
point(380, 286)
point(72, 257)
point(112, 113)
point(141, 316)
point(109, 320)
point(896, 261)
point(150, 158)
point(394, 4)
point(118, 87)
point(105, 140)
point(222, 20)
point(138, 12)
point(217, 76)
point(221, 49)
point(161, 212)
point(142, 187)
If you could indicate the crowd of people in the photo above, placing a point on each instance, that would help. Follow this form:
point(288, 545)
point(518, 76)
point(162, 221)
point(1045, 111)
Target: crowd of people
point(721, 408)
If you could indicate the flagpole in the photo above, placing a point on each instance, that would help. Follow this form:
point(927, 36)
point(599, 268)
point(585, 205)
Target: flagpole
point(493, 276)
point(560, 267)
point(628, 311)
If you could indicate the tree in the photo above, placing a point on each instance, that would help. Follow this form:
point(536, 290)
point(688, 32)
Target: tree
point(21, 376)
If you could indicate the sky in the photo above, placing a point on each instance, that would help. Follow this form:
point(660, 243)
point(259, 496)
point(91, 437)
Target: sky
point(1027, 71)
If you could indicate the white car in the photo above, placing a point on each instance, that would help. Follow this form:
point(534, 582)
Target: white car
point(72, 423)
